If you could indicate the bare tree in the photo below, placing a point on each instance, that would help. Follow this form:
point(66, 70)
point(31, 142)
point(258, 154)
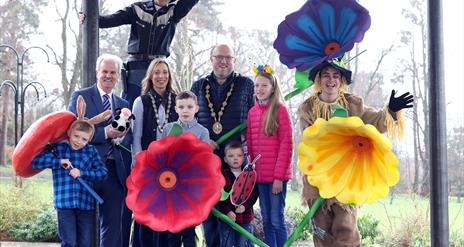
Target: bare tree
point(456, 162)
point(188, 51)
point(414, 68)
point(255, 47)
point(368, 85)
point(70, 59)
point(113, 40)
point(19, 20)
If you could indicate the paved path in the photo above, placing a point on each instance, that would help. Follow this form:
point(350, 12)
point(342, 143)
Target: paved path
point(303, 244)
point(27, 244)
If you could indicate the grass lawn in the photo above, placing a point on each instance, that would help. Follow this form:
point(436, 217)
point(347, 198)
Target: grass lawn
point(390, 212)
point(7, 171)
point(37, 187)
point(402, 207)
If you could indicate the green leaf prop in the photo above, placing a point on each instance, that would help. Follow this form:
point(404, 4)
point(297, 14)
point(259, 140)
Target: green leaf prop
point(175, 130)
point(225, 194)
point(339, 111)
point(301, 83)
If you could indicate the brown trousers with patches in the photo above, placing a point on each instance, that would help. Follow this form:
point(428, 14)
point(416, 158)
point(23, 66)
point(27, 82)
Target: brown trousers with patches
point(334, 224)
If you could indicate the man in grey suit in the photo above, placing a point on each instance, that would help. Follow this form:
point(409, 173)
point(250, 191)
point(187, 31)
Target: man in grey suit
point(98, 98)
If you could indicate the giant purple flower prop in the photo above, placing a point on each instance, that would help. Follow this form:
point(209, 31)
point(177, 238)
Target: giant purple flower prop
point(321, 30)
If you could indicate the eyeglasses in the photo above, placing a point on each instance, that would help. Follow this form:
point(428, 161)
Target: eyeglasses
point(221, 58)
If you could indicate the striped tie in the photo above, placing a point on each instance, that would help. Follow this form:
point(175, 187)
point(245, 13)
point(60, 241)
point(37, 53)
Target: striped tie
point(107, 106)
point(106, 102)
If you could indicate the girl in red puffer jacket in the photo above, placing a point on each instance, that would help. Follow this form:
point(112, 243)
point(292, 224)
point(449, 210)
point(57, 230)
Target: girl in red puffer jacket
point(269, 133)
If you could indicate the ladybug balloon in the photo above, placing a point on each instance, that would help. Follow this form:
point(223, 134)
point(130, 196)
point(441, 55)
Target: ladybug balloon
point(244, 184)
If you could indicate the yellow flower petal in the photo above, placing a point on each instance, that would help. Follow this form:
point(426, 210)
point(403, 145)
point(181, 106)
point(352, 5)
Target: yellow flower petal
point(348, 160)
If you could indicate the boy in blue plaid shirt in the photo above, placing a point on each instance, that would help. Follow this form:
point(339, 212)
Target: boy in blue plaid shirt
point(75, 205)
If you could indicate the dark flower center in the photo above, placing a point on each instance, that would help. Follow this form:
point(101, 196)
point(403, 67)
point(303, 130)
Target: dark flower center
point(361, 144)
point(167, 179)
point(331, 47)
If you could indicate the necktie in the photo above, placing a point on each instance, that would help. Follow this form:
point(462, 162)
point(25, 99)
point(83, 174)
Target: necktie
point(106, 102)
point(107, 106)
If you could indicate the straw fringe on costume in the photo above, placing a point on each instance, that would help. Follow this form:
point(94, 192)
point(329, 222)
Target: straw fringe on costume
point(313, 108)
point(395, 128)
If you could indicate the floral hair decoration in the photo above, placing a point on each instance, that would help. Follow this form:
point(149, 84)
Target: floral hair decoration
point(263, 69)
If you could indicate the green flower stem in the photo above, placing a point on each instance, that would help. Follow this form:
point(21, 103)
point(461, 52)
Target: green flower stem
point(293, 93)
point(232, 132)
point(238, 228)
point(305, 221)
point(123, 147)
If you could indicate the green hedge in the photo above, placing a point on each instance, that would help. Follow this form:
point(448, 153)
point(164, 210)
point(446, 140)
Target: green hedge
point(43, 228)
point(21, 210)
point(17, 206)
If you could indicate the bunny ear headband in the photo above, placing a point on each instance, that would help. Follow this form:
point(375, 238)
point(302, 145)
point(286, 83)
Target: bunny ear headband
point(80, 109)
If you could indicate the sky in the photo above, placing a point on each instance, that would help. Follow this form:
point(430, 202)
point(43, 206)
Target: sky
point(386, 22)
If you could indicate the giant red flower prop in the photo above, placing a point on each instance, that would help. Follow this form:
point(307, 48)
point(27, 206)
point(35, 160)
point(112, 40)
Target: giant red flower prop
point(174, 183)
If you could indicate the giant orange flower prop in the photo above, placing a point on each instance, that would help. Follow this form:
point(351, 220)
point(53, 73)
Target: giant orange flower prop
point(348, 160)
point(175, 183)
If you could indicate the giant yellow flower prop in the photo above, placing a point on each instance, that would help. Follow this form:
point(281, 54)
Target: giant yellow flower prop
point(347, 159)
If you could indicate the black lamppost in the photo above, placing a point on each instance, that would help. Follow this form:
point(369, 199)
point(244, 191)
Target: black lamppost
point(439, 223)
point(18, 87)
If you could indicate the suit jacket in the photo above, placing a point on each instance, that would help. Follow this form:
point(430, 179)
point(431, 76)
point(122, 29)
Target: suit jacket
point(94, 104)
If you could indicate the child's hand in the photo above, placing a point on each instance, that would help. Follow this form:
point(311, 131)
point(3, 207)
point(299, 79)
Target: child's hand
point(213, 145)
point(66, 164)
point(75, 173)
point(231, 215)
point(277, 186)
point(81, 17)
point(240, 209)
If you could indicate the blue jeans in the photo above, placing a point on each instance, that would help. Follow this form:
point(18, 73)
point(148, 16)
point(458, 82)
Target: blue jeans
point(144, 236)
point(230, 237)
point(272, 210)
point(136, 71)
point(75, 227)
point(186, 237)
point(211, 231)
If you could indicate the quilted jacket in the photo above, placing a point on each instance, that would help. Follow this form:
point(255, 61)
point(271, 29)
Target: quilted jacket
point(275, 150)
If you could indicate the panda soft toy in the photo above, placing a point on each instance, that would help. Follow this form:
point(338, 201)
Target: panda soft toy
point(122, 119)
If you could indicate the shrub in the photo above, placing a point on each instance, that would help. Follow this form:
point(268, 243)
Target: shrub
point(456, 238)
point(368, 227)
point(43, 228)
point(293, 216)
point(411, 229)
point(257, 223)
point(17, 206)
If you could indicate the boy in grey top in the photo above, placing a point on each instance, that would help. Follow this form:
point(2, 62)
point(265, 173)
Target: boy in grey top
point(186, 108)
